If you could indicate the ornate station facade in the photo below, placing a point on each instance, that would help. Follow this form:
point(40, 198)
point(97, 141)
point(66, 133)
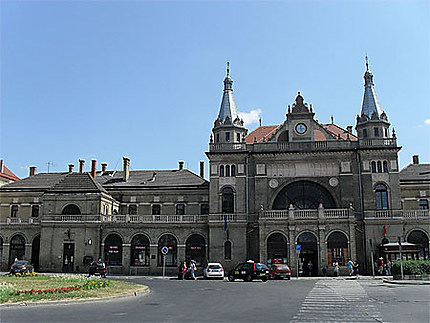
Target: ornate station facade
point(302, 192)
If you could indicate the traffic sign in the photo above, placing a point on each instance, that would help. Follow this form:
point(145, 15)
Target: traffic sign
point(298, 248)
point(164, 250)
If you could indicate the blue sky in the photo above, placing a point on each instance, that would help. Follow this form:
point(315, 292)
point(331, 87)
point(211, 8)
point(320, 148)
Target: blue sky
point(143, 79)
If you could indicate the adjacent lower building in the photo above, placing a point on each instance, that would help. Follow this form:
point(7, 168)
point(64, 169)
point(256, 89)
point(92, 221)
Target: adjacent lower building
point(302, 192)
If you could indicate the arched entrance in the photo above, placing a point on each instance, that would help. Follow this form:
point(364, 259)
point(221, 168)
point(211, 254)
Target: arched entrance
point(139, 251)
point(71, 209)
point(113, 250)
point(419, 238)
point(35, 251)
point(337, 249)
point(169, 241)
point(195, 249)
point(303, 195)
point(277, 248)
point(17, 248)
point(308, 254)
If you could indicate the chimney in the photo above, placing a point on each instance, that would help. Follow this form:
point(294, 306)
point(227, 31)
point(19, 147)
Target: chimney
point(93, 168)
point(71, 166)
point(349, 129)
point(126, 168)
point(81, 165)
point(415, 159)
point(33, 170)
point(104, 166)
point(181, 165)
point(202, 169)
point(1, 165)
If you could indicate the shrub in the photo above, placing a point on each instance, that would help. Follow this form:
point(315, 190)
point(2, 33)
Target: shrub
point(411, 267)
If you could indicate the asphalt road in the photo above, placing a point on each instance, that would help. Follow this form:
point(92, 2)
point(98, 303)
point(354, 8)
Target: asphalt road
point(304, 300)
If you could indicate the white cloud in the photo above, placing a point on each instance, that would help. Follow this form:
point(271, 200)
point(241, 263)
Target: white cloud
point(427, 121)
point(250, 117)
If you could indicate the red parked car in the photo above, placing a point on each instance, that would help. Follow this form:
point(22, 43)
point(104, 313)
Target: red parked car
point(280, 271)
point(97, 268)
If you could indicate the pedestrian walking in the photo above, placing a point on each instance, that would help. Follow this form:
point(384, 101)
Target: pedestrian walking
point(192, 270)
point(350, 267)
point(336, 269)
point(356, 268)
point(388, 267)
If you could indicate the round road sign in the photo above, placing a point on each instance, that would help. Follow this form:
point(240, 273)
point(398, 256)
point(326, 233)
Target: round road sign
point(164, 250)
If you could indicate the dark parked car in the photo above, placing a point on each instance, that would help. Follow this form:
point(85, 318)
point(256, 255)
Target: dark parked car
point(248, 271)
point(21, 266)
point(97, 268)
point(280, 271)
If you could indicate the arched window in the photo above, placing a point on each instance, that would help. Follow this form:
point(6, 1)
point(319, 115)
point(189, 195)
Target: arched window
point(233, 170)
point(227, 250)
point(71, 209)
point(227, 170)
point(17, 248)
point(221, 171)
point(195, 249)
point(385, 165)
point(381, 195)
point(113, 250)
point(379, 166)
point(169, 241)
point(277, 248)
point(35, 252)
point(373, 167)
point(227, 200)
point(420, 238)
point(337, 248)
point(424, 204)
point(139, 251)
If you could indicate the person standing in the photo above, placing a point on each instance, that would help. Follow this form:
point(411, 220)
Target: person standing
point(336, 269)
point(356, 268)
point(388, 267)
point(350, 267)
point(310, 267)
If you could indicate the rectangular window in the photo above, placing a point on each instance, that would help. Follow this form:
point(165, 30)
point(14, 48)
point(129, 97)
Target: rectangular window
point(180, 209)
point(204, 208)
point(217, 137)
point(14, 211)
point(132, 209)
point(238, 137)
point(227, 136)
point(35, 211)
point(364, 133)
point(424, 205)
point(156, 209)
point(376, 132)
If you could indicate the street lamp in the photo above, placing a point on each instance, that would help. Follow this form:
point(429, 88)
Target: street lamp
point(100, 241)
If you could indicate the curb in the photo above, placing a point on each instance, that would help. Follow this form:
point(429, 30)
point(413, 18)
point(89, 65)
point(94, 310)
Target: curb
point(142, 292)
point(407, 282)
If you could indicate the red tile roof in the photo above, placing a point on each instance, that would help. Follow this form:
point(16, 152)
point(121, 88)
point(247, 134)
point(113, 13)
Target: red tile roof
point(7, 173)
point(266, 132)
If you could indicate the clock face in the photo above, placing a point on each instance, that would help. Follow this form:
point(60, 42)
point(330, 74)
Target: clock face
point(301, 128)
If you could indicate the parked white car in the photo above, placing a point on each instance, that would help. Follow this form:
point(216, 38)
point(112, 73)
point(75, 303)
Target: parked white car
point(213, 270)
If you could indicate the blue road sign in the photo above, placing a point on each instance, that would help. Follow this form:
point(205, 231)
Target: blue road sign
point(164, 250)
point(298, 247)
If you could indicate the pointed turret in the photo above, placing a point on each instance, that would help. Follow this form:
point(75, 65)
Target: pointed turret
point(370, 106)
point(372, 123)
point(228, 106)
point(228, 127)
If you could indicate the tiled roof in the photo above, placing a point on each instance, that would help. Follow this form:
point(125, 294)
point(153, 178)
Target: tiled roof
point(336, 130)
point(260, 133)
point(38, 181)
point(77, 182)
point(151, 178)
point(415, 172)
point(8, 174)
point(266, 132)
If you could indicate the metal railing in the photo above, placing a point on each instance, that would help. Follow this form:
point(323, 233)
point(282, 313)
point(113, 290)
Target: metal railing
point(305, 214)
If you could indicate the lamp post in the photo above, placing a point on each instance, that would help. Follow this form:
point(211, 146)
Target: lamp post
point(100, 241)
point(401, 257)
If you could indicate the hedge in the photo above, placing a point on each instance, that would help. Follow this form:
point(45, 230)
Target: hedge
point(411, 267)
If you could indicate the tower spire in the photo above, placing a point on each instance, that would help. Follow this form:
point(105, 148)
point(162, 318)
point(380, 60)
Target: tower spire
point(228, 106)
point(370, 106)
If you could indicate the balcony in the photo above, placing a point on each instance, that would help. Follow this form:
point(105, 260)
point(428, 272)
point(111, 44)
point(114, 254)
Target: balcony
point(311, 214)
point(20, 221)
point(214, 218)
point(397, 214)
point(127, 218)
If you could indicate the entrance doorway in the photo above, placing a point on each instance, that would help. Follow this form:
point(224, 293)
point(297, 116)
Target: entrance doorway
point(68, 257)
point(35, 251)
point(308, 254)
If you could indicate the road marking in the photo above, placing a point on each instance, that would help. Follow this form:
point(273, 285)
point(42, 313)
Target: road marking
point(337, 301)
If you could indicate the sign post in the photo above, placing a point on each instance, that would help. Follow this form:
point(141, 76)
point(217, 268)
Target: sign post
point(164, 251)
point(401, 257)
point(298, 249)
point(371, 258)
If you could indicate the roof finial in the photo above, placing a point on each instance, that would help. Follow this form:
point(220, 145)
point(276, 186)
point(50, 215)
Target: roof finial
point(260, 121)
point(228, 68)
point(332, 119)
point(367, 63)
